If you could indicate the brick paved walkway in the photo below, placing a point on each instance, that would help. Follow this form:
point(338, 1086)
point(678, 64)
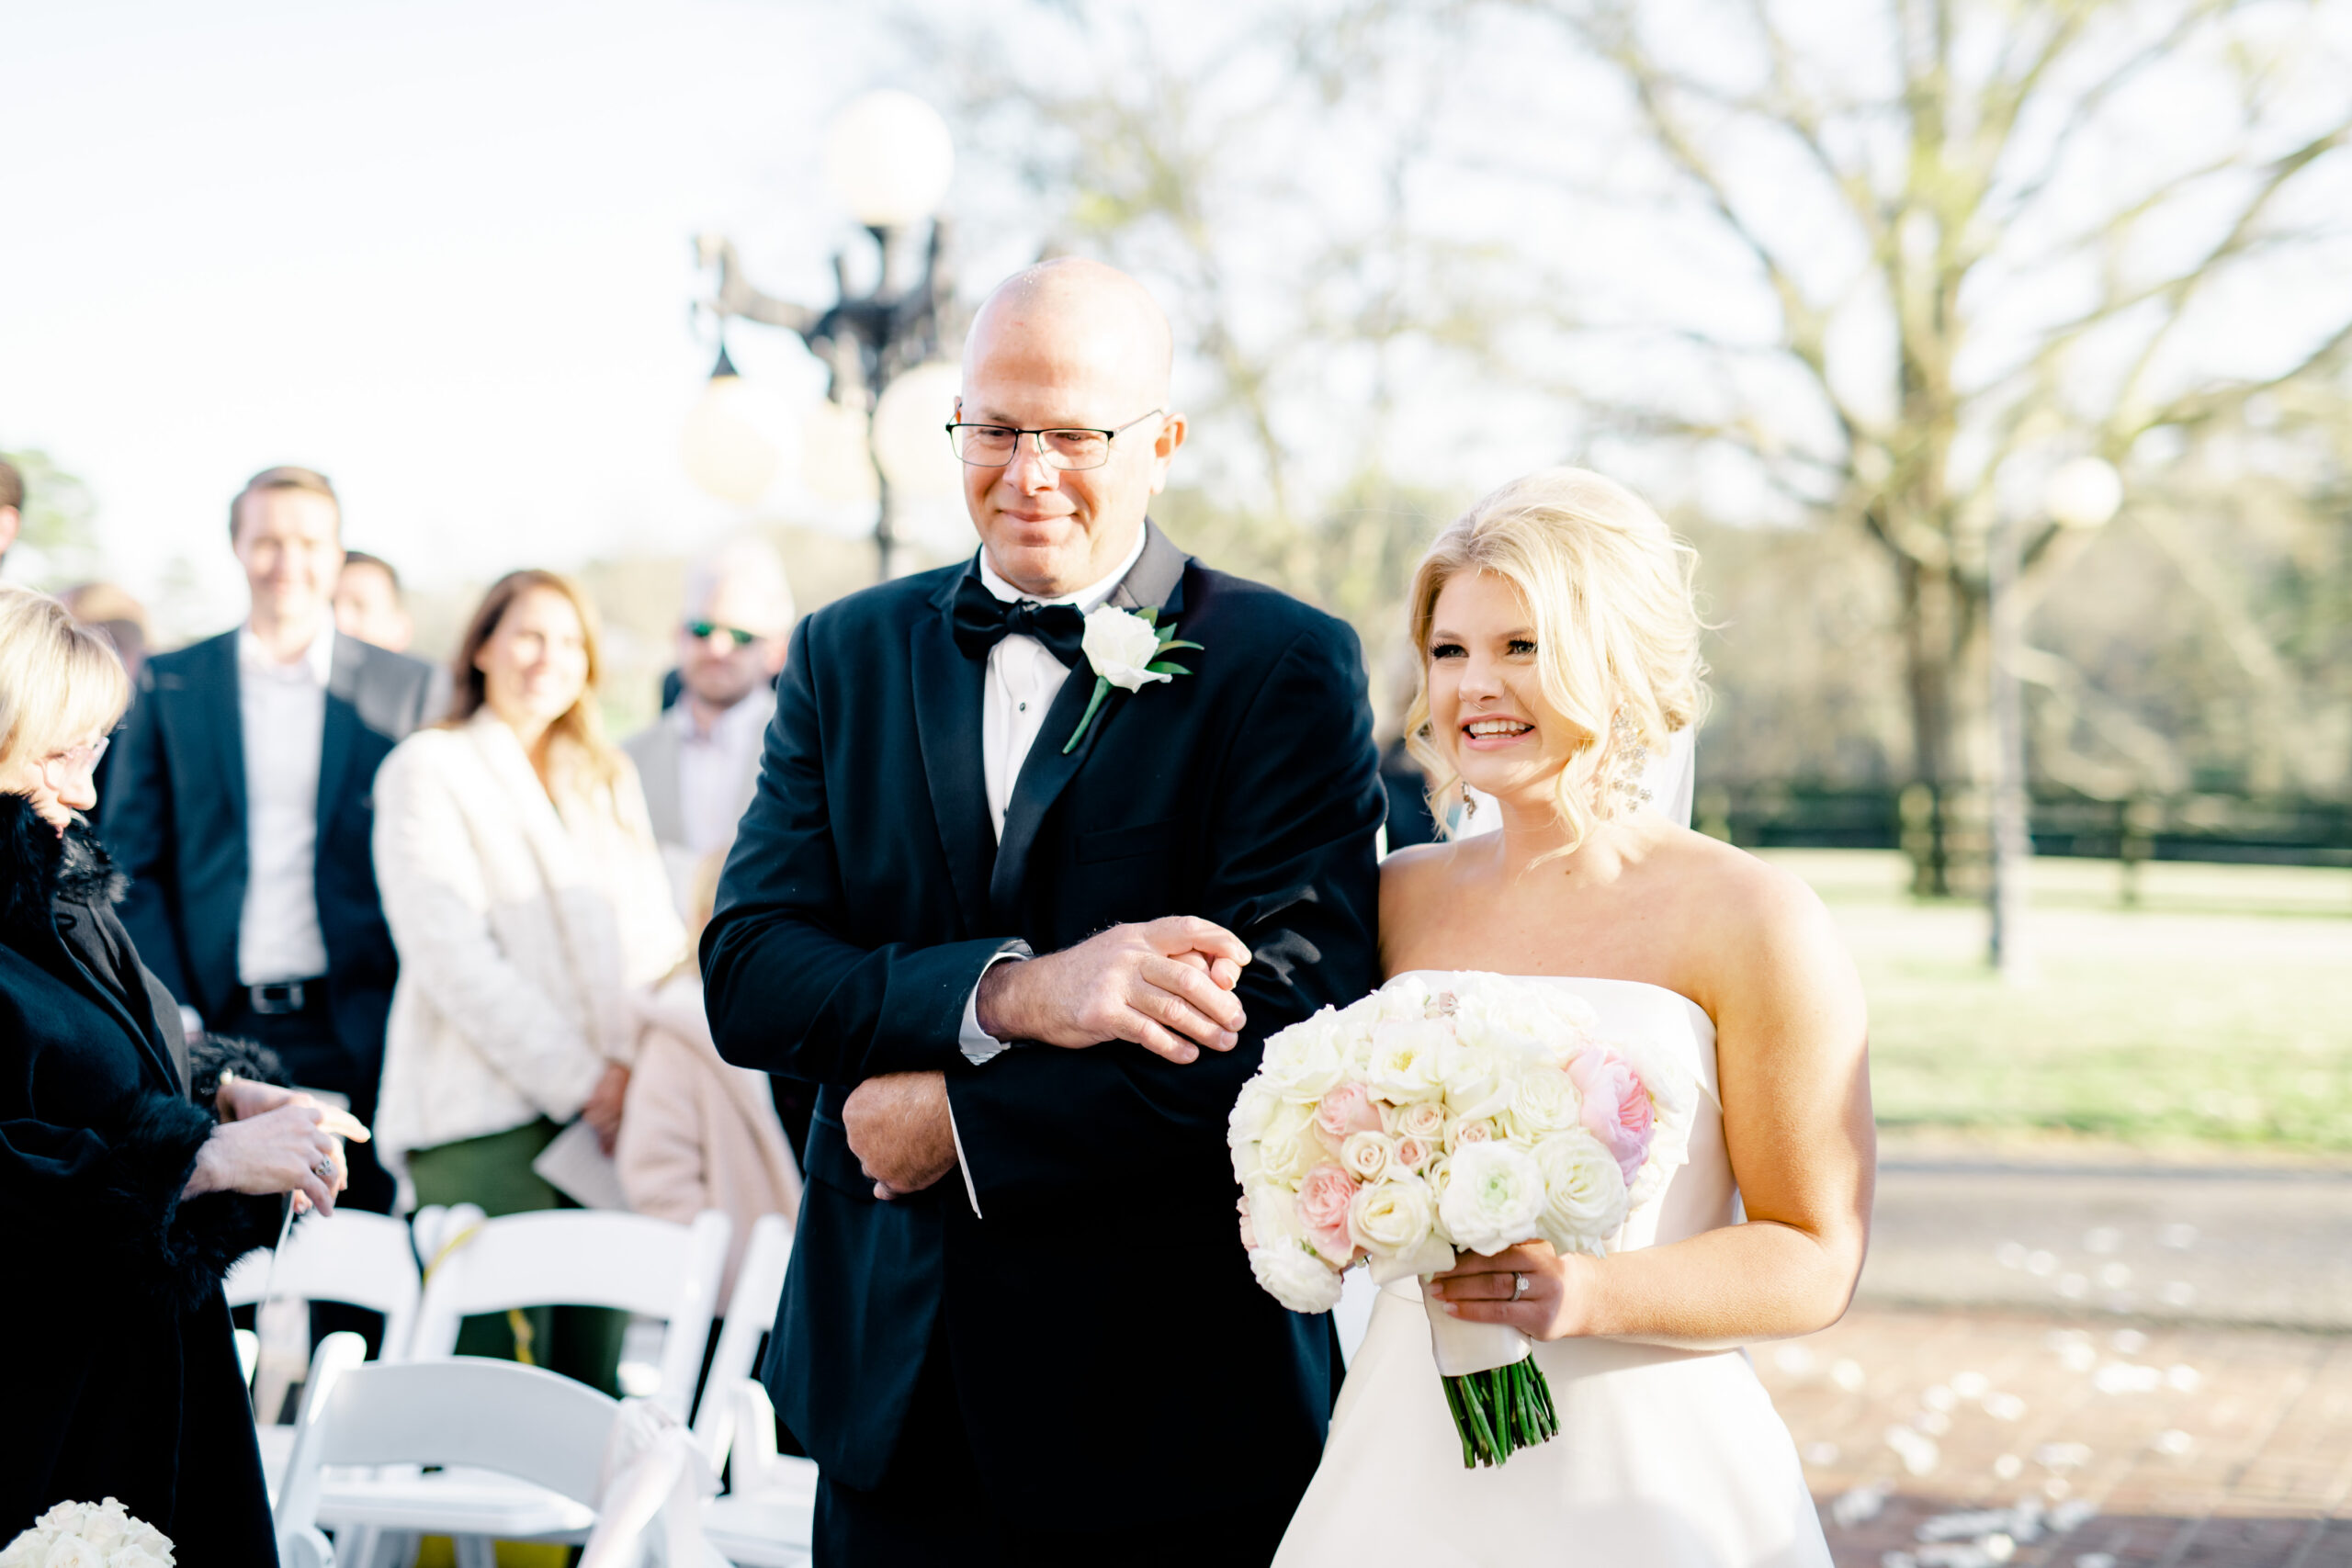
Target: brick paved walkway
point(2073, 1444)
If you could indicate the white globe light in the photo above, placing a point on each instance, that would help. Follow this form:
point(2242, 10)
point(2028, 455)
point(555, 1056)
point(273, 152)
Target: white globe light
point(834, 460)
point(888, 157)
point(2084, 493)
point(730, 445)
point(907, 435)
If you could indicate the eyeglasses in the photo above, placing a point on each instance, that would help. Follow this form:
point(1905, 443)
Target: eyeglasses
point(1067, 450)
point(58, 770)
point(703, 631)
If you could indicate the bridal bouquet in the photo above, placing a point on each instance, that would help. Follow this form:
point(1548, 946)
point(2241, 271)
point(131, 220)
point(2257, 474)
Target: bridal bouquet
point(1418, 1123)
point(88, 1535)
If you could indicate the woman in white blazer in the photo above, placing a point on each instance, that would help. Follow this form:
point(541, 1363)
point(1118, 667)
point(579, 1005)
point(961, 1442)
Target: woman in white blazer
point(532, 914)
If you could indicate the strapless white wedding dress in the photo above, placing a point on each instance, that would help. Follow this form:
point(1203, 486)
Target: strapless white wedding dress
point(1664, 1458)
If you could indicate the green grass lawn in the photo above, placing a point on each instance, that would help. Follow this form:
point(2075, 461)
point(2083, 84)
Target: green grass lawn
point(2213, 1017)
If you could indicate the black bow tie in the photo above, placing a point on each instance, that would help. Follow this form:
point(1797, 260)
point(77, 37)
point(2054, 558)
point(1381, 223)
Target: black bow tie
point(982, 620)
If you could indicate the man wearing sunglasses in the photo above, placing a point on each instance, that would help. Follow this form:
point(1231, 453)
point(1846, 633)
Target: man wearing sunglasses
point(701, 758)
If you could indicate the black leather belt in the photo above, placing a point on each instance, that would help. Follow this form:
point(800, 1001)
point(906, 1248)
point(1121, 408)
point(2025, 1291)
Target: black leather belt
point(284, 996)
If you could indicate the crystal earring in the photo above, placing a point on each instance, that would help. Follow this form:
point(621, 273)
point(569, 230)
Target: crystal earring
point(1469, 801)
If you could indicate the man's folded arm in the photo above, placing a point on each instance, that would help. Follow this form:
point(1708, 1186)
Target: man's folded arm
point(784, 991)
point(1295, 879)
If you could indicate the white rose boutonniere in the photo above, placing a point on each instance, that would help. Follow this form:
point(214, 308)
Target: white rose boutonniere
point(1126, 648)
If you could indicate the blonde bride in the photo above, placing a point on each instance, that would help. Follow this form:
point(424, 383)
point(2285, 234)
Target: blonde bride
point(1560, 649)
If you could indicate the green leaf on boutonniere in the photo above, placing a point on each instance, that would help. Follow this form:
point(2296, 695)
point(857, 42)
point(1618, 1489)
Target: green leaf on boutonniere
point(1166, 667)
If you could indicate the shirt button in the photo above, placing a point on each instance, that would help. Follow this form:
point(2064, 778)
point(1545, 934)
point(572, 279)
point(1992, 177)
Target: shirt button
point(1025, 708)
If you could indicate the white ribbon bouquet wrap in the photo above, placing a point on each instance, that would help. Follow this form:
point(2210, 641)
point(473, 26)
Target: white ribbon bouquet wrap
point(1418, 1124)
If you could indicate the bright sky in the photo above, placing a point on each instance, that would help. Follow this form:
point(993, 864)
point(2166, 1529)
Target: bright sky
point(440, 251)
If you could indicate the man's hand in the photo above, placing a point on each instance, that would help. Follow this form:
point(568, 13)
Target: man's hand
point(899, 1129)
point(1165, 985)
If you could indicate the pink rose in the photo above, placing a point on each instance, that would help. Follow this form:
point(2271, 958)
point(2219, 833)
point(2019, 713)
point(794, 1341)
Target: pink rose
point(1617, 1108)
point(1347, 1109)
point(1412, 1154)
point(1248, 1237)
point(1323, 1200)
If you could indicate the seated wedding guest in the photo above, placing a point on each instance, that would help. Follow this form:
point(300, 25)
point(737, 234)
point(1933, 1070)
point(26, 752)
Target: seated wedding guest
point(695, 1133)
point(701, 759)
point(368, 603)
point(133, 1169)
point(532, 916)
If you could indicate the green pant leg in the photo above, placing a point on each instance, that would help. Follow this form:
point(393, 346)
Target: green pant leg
point(493, 1172)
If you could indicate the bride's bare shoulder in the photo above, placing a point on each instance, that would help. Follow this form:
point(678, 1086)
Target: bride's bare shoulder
point(1751, 917)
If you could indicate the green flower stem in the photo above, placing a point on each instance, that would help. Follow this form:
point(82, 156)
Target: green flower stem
point(1498, 1413)
point(1102, 690)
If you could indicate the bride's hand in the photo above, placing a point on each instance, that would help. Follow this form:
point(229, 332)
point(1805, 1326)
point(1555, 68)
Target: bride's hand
point(1479, 1289)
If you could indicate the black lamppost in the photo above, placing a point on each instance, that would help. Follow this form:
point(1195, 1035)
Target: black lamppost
point(889, 158)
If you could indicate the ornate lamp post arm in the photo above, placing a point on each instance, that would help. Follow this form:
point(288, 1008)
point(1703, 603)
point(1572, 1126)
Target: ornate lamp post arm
point(865, 340)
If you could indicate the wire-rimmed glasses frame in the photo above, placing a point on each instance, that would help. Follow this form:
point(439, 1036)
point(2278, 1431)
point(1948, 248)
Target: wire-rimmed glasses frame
point(1065, 448)
point(58, 770)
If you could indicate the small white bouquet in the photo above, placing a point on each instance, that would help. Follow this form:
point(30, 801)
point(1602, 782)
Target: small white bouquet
point(88, 1535)
point(1416, 1125)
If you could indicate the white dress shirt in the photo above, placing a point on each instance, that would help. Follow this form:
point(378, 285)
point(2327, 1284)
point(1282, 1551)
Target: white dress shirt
point(714, 767)
point(282, 712)
point(1024, 677)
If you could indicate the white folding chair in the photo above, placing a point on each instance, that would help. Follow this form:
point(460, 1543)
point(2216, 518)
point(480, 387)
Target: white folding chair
point(767, 1519)
point(750, 1313)
point(589, 1258)
point(470, 1414)
point(568, 1256)
point(355, 1257)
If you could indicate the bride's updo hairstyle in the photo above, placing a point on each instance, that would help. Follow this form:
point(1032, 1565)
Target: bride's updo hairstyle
point(1617, 631)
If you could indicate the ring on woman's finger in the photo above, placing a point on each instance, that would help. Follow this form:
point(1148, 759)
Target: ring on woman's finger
point(323, 1170)
point(1518, 1286)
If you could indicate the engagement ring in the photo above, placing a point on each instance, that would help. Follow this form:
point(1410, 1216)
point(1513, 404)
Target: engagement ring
point(1518, 1286)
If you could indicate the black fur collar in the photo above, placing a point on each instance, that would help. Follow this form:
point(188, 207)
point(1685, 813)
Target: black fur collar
point(38, 867)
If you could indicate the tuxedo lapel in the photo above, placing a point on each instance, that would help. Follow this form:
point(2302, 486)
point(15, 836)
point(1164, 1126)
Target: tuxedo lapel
point(340, 732)
point(948, 696)
point(1155, 581)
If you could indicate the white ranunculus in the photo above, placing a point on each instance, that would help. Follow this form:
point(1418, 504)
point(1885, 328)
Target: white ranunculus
point(1585, 1197)
point(1407, 1060)
point(1542, 1102)
point(1494, 1196)
point(1523, 1019)
point(1294, 1274)
point(1119, 644)
point(1304, 1062)
point(1366, 1155)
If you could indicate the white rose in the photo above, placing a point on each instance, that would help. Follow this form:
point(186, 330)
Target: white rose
point(1304, 1063)
point(1406, 1064)
point(1542, 1102)
point(1463, 1131)
point(1585, 1197)
point(135, 1556)
point(1494, 1196)
point(73, 1552)
point(1478, 1080)
point(1295, 1275)
point(1119, 644)
point(1366, 1155)
point(1407, 998)
point(1289, 1147)
point(27, 1551)
point(1391, 1217)
point(65, 1518)
point(1425, 1121)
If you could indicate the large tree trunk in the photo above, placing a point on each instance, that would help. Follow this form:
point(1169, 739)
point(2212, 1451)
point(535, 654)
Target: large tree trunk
point(1945, 679)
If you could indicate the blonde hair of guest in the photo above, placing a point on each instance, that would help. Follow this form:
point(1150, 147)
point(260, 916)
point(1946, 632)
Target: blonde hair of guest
point(59, 680)
point(1617, 626)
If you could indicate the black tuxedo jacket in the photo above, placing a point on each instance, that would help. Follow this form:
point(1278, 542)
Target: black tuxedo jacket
point(1113, 1357)
point(175, 819)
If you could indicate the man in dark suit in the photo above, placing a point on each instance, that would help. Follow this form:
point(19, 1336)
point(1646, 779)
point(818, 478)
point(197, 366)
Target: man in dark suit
point(1031, 949)
point(241, 808)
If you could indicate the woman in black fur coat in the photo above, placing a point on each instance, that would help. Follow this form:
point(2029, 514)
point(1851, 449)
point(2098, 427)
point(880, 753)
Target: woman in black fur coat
point(132, 1170)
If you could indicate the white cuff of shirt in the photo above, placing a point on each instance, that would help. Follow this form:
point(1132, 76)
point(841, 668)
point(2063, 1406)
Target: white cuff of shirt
point(979, 1046)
